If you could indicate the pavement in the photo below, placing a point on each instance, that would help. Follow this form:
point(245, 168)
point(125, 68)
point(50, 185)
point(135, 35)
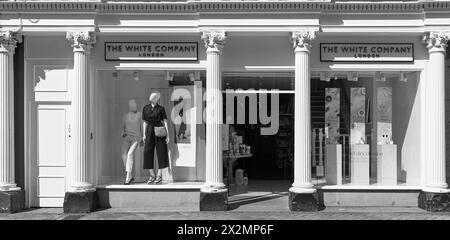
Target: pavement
point(330, 213)
point(264, 203)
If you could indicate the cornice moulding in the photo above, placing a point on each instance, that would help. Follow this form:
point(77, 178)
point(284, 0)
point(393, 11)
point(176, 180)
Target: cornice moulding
point(221, 6)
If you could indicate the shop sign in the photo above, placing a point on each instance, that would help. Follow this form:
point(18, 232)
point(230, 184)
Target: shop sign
point(366, 52)
point(151, 51)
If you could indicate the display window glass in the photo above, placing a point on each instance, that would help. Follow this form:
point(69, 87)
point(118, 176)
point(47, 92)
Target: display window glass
point(366, 128)
point(259, 117)
point(121, 100)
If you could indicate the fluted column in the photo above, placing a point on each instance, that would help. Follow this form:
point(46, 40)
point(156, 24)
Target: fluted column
point(214, 41)
point(435, 179)
point(302, 41)
point(8, 42)
point(81, 43)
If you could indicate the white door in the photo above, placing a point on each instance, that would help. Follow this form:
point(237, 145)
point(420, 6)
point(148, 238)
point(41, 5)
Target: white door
point(53, 151)
point(49, 111)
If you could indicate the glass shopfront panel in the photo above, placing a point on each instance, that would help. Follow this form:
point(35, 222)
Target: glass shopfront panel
point(114, 92)
point(259, 110)
point(366, 128)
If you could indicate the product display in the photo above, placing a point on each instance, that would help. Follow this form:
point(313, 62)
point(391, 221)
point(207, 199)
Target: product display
point(358, 116)
point(333, 165)
point(384, 115)
point(332, 114)
point(387, 164)
point(359, 164)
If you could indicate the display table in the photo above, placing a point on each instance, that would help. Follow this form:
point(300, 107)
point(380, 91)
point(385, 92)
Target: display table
point(333, 164)
point(359, 164)
point(229, 161)
point(387, 164)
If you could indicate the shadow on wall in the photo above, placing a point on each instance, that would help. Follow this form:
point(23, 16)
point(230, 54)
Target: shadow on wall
point(406, 127)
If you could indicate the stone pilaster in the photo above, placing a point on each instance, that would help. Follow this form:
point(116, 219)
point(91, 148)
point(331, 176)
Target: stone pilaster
point(435, 190)
point(81, 196)
point(303, 197)
point(214, 192)
point(11, 196)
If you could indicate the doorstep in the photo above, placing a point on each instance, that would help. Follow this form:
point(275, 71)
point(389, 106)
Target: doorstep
point(173, 196)
point(369, 196)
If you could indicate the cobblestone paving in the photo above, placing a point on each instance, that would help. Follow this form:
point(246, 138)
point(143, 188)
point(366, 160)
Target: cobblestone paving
point(334, 213)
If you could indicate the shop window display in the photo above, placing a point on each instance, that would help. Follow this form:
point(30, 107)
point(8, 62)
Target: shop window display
point(368, 130)
point(121, 96)
point(262, 156)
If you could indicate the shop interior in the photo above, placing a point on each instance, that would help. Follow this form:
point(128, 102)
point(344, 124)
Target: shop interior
point(375, 114)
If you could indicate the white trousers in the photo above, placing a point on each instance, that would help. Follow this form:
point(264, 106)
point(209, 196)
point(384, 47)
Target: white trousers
point(129, 146)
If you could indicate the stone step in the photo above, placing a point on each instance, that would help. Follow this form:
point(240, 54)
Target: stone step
point(369, 198)
point(166, 197)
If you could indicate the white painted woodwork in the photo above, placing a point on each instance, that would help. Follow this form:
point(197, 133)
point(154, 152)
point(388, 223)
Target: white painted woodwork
point(51, 131)
point(435, 112)
point(8, 41)
point(81, 43)
point(302, 113)
point(214, 163)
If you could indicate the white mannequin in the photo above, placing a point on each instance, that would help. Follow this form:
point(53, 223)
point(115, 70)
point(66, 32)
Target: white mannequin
point(132, 136)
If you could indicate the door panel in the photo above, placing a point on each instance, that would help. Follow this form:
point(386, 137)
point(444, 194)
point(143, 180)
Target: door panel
point(52, 151)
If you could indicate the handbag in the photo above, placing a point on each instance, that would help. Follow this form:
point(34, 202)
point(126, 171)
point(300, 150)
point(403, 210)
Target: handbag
point(160, 131)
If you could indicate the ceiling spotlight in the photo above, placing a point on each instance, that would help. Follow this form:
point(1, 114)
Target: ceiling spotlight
point(136, 76)
point(115, 75)
point(327, 77)
point(377, 76)
point(322, 76)
point(169, 76)
point(380, 77)
point(352, 76)
point(195, 76)
point(403, 77)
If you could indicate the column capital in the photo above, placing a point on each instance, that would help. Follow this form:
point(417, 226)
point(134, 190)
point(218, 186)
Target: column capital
point(81, 41)
point(9, 40)
point(436, 41)
point(303, 39)
point(214, 40)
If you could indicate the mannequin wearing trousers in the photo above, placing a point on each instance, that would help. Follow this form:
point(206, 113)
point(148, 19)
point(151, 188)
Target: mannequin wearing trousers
point(131, 137)
point(154, 115)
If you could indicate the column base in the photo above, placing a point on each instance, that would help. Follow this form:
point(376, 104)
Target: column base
point(12, 201)
point(214, 201)
point(80, 202)
point(434, 201)
point(304, 202)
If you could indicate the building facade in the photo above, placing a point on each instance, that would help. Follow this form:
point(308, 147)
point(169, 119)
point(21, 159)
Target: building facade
point(359, 87)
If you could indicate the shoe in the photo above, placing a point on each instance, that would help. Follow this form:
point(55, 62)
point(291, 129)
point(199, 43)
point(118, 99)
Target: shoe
point(158, 180)
point(131, 180)
point(151, 180)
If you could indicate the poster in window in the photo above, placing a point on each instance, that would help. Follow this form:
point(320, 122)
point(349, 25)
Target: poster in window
point(332, 113)
point(358, 116)
point(384, 115)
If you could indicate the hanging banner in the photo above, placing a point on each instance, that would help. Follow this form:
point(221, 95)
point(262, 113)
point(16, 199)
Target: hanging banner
point(151, 51)
point(384, 115)
point(366, 52)
point(332, 113)
point(358, 116)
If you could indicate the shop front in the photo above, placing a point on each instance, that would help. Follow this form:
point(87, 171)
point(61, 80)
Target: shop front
point(335, 113)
